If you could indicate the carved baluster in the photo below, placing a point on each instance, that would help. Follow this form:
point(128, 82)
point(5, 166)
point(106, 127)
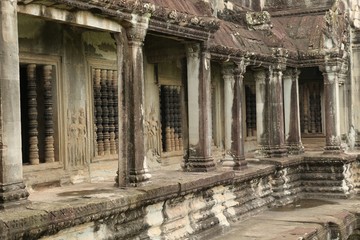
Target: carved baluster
point(33, 114)
point(306, 99)
point(111, 111)
point(49, 121)
point(116, 117)
point(98, 112)
point(105, 108)
point(168, 139)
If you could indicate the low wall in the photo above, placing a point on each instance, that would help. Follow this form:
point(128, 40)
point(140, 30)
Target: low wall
point(179, 205)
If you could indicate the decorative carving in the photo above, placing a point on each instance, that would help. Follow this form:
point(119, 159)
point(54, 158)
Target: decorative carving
point(153, 134)
point(33, 115)
point(49, 122)
point(258, 20)
point(77, 138)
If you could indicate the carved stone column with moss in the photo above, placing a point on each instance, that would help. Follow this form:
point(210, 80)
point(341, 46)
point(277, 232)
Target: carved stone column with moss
point(291, 111)
point(331, 71)
point(228, 77)
point(276, 108)
point(12, 188)
point(134, 88)
point(237, 133)
point(199, 98)
point(262, 111)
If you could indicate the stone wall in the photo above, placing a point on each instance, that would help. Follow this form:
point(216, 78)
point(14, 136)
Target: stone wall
point(198, 204)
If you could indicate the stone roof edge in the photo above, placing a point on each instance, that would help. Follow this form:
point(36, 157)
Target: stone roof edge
point(161, 19)
point(293, 59)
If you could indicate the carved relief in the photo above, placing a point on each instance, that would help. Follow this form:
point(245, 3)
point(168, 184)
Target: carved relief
point(153, 134)
point(77, 137)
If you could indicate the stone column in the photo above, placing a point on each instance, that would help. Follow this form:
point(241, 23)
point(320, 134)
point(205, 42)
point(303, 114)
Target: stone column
point(331, 100)
point(292, 112)
point(12, 188)
point(276, 109)
point(119, 111)
point(228, 76)
point(134, 88)
point(237, 135)
point(199, 108)
point(262, 117)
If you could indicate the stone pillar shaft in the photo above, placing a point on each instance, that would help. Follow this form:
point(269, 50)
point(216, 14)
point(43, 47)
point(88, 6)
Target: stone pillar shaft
point(292, 112)
point(237, 134)
point(262, 118)
point(331, 100)
point(199, 99)
point(135, 83)
point(12, 188)
point(228, 76)
point(276, 111)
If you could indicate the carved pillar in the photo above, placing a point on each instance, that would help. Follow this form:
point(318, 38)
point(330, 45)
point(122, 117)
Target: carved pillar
point(199, 98)
point(291, 112)
point(33, 115)
point(262, 118)
point(331, 100)
point(12, 188)
point(237, 134)
point(49, 121)
point(276, 109)
point(228, 76)
point(134, 85)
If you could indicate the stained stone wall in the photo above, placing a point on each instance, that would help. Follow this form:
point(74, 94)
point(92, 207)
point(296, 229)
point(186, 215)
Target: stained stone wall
point(74, 51)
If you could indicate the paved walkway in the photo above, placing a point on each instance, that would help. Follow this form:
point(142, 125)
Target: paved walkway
point(306, 219)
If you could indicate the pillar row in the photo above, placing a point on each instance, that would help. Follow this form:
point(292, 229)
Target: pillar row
point(199, 156)
point(292, 112)
point(276, 112)
point(331, 73)
point(233, 105)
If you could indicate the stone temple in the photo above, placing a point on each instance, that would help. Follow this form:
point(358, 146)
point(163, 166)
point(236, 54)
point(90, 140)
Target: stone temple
point(176, 119)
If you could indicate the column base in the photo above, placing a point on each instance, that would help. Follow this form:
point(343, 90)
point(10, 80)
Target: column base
point(13, 195)
point(139, 178)
point(333, 150)
point(295, 149)
point(278, 151)
point(234, 163)
point(200, 164)
point(263, 151)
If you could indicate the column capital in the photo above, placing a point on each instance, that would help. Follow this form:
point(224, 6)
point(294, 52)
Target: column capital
point(293, 73)
point(240, 68)
point(136, 32)
point(259, 74)
point(279, 55)
point(192, 50)
point(227, 71)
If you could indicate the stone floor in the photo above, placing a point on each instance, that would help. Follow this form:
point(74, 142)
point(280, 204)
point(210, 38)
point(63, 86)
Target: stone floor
point(306, 219)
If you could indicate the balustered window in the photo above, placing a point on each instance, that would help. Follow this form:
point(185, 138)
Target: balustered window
point(37, 83)
point(105, 111)
point(250, 96)
point(171, 120)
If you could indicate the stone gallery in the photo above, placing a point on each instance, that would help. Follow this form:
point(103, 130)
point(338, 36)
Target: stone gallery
point(174, 119)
